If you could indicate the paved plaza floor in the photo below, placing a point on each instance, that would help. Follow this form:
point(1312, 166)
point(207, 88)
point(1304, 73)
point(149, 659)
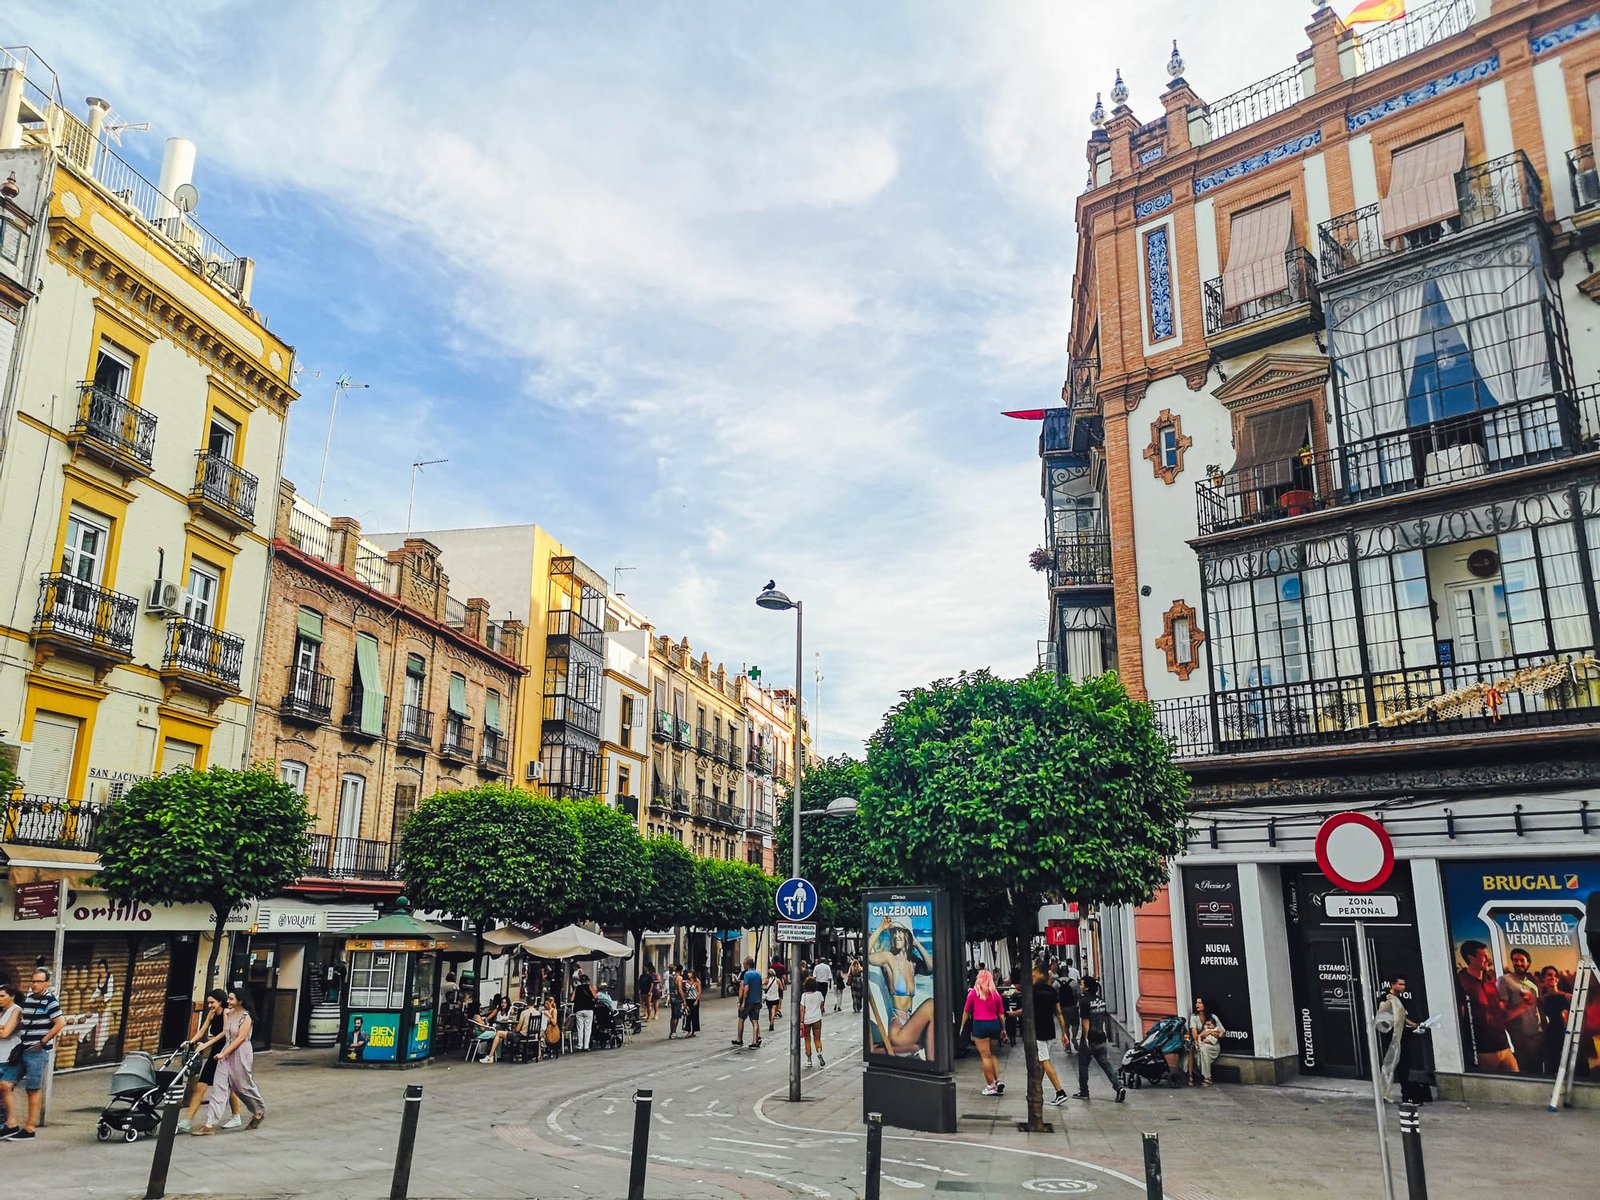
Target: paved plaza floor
point(723, 1127)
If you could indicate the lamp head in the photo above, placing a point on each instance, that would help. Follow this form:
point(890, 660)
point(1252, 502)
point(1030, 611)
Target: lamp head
point(842, 806)
point(771, 597)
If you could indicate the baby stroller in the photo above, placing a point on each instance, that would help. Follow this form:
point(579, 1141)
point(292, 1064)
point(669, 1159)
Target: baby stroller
point(608, 1030)
point(1146, 1062)
point(138, 1089)
point(628, 1013)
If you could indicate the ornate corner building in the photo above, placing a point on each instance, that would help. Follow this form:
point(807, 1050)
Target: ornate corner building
point(1350, 310)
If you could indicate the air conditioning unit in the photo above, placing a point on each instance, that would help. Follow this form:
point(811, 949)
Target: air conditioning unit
point(164, 599)
point(535, 770)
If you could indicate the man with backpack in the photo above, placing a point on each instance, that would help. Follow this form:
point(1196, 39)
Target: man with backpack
point(1092, 1021)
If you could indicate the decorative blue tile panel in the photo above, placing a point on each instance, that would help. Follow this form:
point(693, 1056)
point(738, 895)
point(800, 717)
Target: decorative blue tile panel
point(1158, 278)
point(1150, 155)
point(1256, 161)
point(1427, 91)
point(1151, 207)
point(1547, 42)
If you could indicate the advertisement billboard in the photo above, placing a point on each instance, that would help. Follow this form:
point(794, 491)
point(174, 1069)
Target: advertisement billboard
point(1218, 972)
point(903, 995)
point(1516, 933)
point(371, 1036)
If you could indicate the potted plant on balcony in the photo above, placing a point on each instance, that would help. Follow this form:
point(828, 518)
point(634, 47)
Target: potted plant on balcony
point(1039, 559)
point(1215, 471)
point(1304, 454)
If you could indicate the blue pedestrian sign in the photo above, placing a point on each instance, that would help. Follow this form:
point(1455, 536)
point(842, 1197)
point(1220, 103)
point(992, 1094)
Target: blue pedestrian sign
point(796, 900)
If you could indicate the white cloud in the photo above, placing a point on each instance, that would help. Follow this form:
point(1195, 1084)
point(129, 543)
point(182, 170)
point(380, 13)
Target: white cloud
point(723, 292)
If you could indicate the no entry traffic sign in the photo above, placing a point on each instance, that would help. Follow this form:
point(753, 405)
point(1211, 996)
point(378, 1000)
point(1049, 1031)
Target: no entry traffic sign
point(1355, 852)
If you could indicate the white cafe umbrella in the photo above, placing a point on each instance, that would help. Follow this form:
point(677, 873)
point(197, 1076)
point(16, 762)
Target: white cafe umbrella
point(574, 941)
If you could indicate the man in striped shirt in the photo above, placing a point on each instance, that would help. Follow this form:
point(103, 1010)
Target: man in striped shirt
point(42, 1024)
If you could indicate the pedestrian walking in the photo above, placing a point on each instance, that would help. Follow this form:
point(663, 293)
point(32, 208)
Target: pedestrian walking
point(674, 1000)
point(10, 1073)
point(691, 1004)
point(1092, 1042)
point(1047, 1015)
point(856, 980)
point(822, 974)
point(41, 1025)
point(236, 1063)
point(207, 1039)
point(773, 994)
point(583, 1003)
point(813, 1002)
point(985, 1011)
point(750, 1004)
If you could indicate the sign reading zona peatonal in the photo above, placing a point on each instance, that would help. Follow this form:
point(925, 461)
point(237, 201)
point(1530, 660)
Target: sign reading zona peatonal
point(1361, 908)
point(1355, 852)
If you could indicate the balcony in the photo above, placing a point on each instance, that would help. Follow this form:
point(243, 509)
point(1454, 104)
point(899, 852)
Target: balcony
point(223, 492)
point(1585, 179)
point(662, 726)
point(563, 710)
point(494, 756)
point(114, 430)
point(629, 805)
point(353, 725)
point(1413, 702)
point(1081, 561)
point(680, 800)
point(660, 800)
point(722, 749)
point(759, 822)
point(566, 623)
point(308, 699)
point(682, 735)
point(1502, 438)
point(457, 743)
point(202, 659)
point(416, 728)
point(761, 760)
point(351, 858)
point(1502, 188)
point(1293, 310)
point(30, 820)
point(703, 741)
point(735, 756)
point(85, 620)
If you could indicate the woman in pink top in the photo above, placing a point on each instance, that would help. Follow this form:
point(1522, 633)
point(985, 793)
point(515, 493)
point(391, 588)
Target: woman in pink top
point(987, 1012)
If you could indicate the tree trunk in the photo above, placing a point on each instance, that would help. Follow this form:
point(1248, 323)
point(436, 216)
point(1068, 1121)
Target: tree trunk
point(477, 962)
point(222, 910)
point(1025, 917)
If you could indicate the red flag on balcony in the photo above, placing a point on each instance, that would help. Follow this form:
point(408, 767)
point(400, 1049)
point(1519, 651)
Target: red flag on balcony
point(1370, 12)
point(1026, 414)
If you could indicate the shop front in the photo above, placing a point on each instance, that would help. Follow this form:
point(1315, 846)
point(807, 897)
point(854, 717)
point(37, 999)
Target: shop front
point(290, 966)
point(391, 999)
point(129, 972)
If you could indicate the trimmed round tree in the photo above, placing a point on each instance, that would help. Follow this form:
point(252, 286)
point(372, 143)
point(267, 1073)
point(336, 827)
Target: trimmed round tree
point(612, 871)
point(492, 853)
point(1037, 789)
point(217, 837)
point(673, 896)
point(835, 853)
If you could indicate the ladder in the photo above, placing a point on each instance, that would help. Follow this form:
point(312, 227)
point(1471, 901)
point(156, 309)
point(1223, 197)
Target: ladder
point(1561, 1094)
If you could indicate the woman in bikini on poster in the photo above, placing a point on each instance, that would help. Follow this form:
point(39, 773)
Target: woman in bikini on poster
point(902, 957)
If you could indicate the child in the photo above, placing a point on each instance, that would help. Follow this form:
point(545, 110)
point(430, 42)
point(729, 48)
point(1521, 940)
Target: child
point(811, 996)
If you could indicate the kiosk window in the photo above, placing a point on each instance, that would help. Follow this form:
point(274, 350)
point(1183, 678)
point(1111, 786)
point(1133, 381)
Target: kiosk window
point(377, 979)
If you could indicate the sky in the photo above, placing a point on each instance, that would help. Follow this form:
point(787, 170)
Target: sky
point(719, 292)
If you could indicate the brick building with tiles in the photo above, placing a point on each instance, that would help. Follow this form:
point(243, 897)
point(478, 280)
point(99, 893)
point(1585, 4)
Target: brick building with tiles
point(1325, 489)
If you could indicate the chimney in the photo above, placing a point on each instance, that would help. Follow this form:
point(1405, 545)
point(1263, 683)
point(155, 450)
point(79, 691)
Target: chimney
point(98, 111)
point(11, 106)
point(177, 169)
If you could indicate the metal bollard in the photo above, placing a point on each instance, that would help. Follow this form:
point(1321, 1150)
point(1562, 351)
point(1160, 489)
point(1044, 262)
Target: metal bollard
point(1152, 1167)
point(874, 1154)
point(408, 1138)
point(1411, 1144)
point(167, 1130)
point(641, 1142)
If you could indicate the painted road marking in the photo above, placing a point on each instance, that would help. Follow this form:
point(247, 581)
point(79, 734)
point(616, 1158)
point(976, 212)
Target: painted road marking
point(720, 1078)
point(924, 1166)
point(695, 1088)
point(1061, 1187)
point(742, 1142)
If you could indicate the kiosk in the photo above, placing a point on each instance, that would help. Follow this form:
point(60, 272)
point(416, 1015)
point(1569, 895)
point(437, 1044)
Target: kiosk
point(386, 1015)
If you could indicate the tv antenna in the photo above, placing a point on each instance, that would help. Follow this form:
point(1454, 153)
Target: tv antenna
point(415, 467)
point(616, 580)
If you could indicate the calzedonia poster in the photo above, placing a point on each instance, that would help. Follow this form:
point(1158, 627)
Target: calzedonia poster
point(902, 992)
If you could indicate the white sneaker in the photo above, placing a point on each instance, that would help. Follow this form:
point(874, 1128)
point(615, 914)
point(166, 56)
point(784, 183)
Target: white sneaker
point(184, 1126)
point(990, 1089)
point(234, 1122)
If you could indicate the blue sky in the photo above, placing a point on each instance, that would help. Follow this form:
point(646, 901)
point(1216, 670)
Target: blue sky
point(722, 292)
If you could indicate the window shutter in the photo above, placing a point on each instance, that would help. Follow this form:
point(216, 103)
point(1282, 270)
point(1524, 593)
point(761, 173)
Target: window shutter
point(416, 666)
point(371, 718)
point(55, 743)
point(310, 626)
point(491, 711)
point(1267, 445)
point(458, 695)
point(1422, 184)
point(1258, 254)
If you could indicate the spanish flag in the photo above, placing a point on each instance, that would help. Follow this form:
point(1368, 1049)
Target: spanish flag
point(1369, 12)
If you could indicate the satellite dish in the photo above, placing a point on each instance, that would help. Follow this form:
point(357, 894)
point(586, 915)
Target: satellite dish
point(186, 196)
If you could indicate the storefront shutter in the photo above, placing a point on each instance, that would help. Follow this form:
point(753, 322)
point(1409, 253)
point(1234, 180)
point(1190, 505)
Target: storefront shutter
point(371, 718)
point(1422, 184)
point(310, 626)
point(1258, 254)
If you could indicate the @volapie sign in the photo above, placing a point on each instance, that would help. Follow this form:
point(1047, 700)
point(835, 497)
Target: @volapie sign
point(797, 931)
point(1361, 908)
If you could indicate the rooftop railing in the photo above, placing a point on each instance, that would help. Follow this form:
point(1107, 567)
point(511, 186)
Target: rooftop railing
point(1251, 104)
point(1423, 26)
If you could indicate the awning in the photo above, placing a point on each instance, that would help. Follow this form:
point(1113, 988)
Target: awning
point(574, 941)
point(42, 864)
point(458, 695)
point(1422, 184)
point(1258, 254)
point(309, 626)
point(658, 935)
point(1267, 446)
point(370, 720)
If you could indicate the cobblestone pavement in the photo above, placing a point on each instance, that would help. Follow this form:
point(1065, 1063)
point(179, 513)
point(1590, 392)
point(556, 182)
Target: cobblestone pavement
point(723, 1127)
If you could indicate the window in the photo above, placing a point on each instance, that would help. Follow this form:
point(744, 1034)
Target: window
point(1169, 446)
point(1422, 187)
point(377, 980)
point(366, 688)
point(405, 803)
point(1479, 622)
point(177, 754)
point(113, 371)
point(626, 736)
point(1164, 454)
point(200, 593)
point(352, 799)
point(491, 712)
point(307, 652)
point(1180, 639)
point(55, 749)
point(294, 774)
point(624, 781)
point(222, 437)
point(416, 681)
point(83, 554)
point(457, 700)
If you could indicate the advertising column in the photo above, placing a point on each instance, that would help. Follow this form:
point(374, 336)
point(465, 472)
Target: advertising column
point(1218, 973)
point(911, 940)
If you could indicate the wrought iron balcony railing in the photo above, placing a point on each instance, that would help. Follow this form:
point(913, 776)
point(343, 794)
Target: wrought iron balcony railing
point(628, 804)
point(1488, 192)
point(201, 656)
point(352, 722)
point(1081, 561)
point(224, 490)
point(115, 428)
point(31, 820)
point(309, 696)
point(566, 623)
point(680, 800)
point(1585, 178)
point(760, 822)
point(702, 740)
point(351, 858)
point(1497, 439)
point(662, 725)
point(495, 753)
point(722, 748)
point(416, 727)
point(1251, 104)
point(566, 710)
point(683, 735)
point(83, 616)
point(735, 755)
point(457, 741)
point(1300, 288)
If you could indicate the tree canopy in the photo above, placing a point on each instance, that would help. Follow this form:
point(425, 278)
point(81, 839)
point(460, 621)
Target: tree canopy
point(673, 897)
point(216, 837)
point(836, 854)
point(612, 872)
point(492, 853)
